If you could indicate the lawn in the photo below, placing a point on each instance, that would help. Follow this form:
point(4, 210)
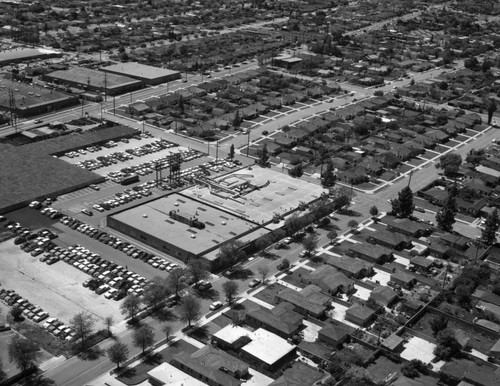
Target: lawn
point(295, 277)
point(269, 293)
point(382, 368)
point(138, 374)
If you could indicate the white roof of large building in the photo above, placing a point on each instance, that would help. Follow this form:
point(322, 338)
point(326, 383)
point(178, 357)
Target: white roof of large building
point(171, 376)
point(232, 333)
point(267, 346)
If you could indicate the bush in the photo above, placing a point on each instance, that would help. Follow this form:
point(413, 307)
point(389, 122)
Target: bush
point(414, 368)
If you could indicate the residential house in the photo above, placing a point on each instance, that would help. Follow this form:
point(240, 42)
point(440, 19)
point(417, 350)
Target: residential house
point(330, 280)
point(406, 226)
point(349, 266)
point(360, 315)
point(454, 241)
point(403, 279)
point(369, 252)
point(282, 320)
point(384, 296)
point(437, 136)
point(299, 374)
point(310, 301)
point(388, 159)
point(353, 176)
point(471, 208)
point(391, 240)
point(335, 333)
point(212, 366)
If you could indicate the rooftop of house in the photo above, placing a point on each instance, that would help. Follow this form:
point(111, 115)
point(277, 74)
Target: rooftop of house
point(268, 347)
point(360, 311)
point(282, 317)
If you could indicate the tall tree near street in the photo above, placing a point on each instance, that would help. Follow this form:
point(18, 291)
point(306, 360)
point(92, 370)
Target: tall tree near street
point(491, 224)
point(264, 156)
point(403, 206)
point(450, 164)
point(198, 269)
point(144, 337)
point(328, 177)
point(230, 289)
point(176, 280)
point(231, 152)
point(310, 243)
point(231, 253)
point(131, 306)
point(167, 330)
point(445, 218)
point(83, 324)
point(118, 353)
point(491, 107)
point(22, 352)
point(263, 271)
point(190, 309)
point(108, 322)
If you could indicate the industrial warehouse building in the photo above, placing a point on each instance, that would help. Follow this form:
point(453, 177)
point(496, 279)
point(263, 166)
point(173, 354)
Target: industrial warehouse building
point(148, 75)
point(32, 100)
point(94, 81)
point(22, 54)
point(180, 226)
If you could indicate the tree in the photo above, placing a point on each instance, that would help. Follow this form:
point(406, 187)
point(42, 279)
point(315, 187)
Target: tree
point(263, 272)
point(167, 330)
point(471, 63)
point(181, 103)
point(230, 289)
point(118, 353)
point(264, 156)
point(3, 375)
point(475, 157)
point(491, 107)
point(198, 269)
point(155, 293)
point(374, 211)
point(23, 352)
point(293, 224)
point(144, 337)
point(108, 322)
point(237, 119)
point(488, 235)
point(352, 224)
point(131, 306)
point(328, 176)
point(438, 324)
point(176, 280)
point(332, 235)
point(83, 325)
point(448, 346)
point(16, 313)
point(231, 152)
point(414, 368)
point(450, 164)
point(190, 309)
point(296, 171)
point(403, 206)
point(310, 243)
point(231, 253)
point(445, 218)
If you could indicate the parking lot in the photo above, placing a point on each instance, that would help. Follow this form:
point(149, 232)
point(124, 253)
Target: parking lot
point(55, 288)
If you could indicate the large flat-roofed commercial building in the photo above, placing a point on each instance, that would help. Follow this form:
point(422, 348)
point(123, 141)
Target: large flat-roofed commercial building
point(94, 81)
point(181, 226)
point(33, 100)
point(148, 75)
point(22, 54)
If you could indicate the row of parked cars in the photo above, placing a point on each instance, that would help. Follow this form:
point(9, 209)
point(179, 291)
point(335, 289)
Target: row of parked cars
point(125, 197)
point(59, 329)
point(30, 311)
point(116, 243)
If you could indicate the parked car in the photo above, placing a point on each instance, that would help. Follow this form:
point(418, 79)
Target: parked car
point(215, 306)
point(254, 283)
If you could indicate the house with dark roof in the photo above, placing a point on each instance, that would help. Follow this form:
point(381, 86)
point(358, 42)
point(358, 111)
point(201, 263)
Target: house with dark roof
point(300, 374)
point(349, 266)
point(330, 280)
point(372, 253)
point(335, 333)
point(421, 263)
point(384, 296)
point(406, 226)
point(454, 241)
point(310, 301)
point(317, 351)
point(391, 240)
point(282, 320)
point(360, 315)
point(403, 279)
point(212, 366)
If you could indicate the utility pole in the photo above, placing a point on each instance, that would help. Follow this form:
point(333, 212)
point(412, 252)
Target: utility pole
point(409, 180)
point(12, 108)
point(248, 142)
point(217, 150)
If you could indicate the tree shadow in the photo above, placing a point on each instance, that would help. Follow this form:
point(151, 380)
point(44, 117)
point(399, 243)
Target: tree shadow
point(242, 274)
point(91, 354)
point(352, 213)
point(201, 334)
point(208, 294)
point(152, 359)
point(128, 372)
point(238, 306)
point(164, 315)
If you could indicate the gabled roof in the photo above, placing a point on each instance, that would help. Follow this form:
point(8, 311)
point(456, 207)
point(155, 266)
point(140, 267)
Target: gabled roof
point(282, 317)
point(336, 331)
point(360, 311)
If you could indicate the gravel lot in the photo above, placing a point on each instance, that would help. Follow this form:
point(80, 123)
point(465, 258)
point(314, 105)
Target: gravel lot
point(56, 288)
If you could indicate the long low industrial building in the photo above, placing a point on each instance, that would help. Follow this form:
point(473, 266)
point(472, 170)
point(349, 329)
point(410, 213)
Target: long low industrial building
point(23, 54)
point(94, 81)
point(148, 75)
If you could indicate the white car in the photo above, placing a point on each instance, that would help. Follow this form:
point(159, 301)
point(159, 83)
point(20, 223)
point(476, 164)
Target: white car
point(215, 306)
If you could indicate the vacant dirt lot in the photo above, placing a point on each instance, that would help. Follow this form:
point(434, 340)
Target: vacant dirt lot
point(56, 288)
